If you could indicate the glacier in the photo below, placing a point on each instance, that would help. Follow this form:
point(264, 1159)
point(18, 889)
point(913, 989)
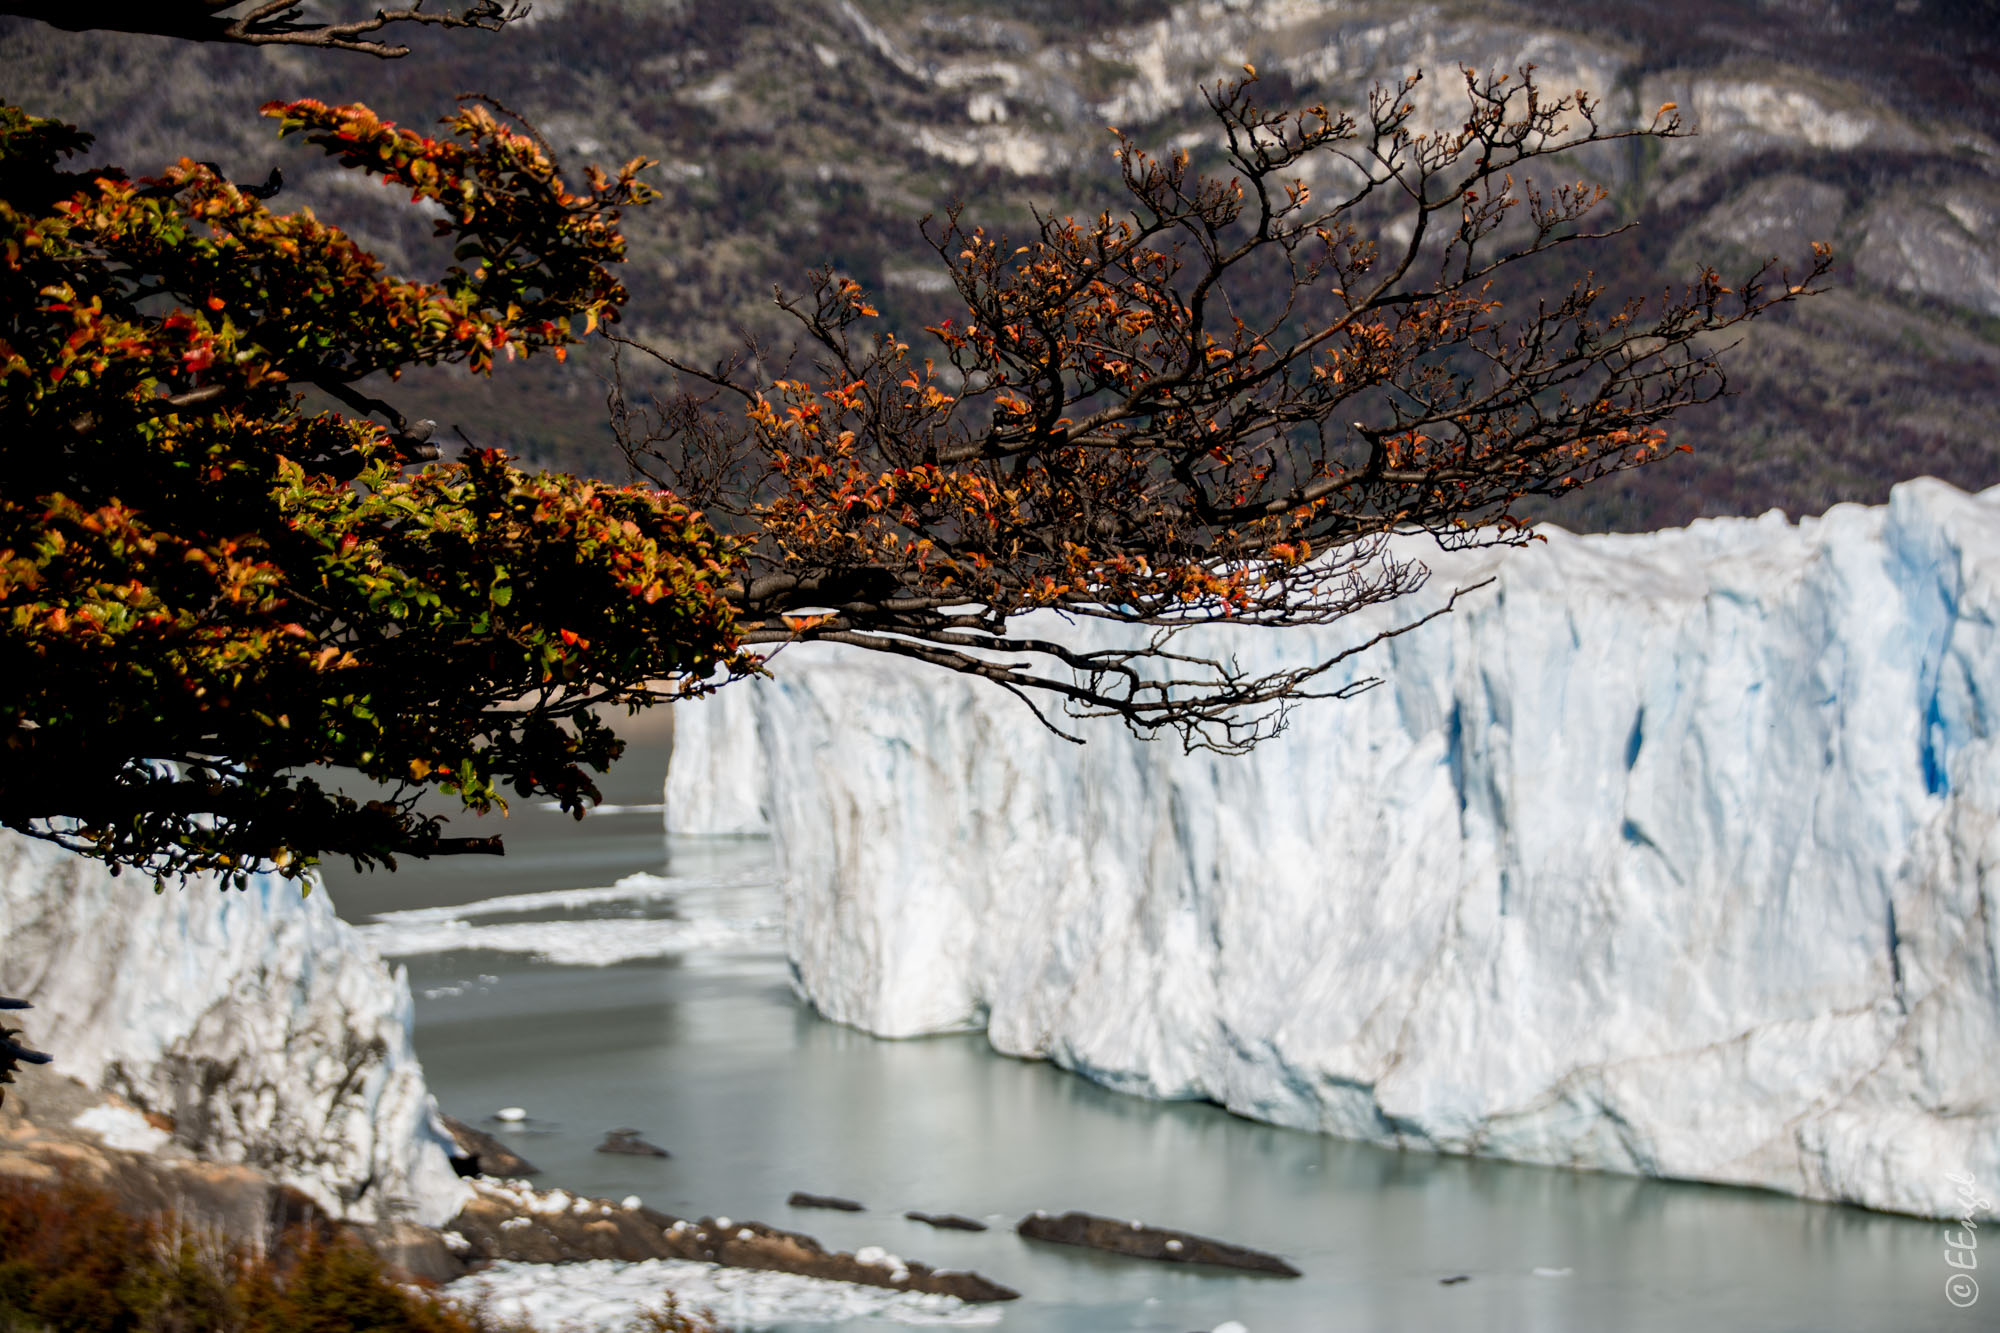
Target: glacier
point(1673, 854)
point(262, 1023)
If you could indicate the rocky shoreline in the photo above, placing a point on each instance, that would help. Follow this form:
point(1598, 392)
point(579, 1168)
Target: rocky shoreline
point(507, 1220)
point(134, 1158)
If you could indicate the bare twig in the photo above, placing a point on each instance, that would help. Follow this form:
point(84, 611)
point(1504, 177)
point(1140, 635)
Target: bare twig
point(1216, 409)
point(267, 23)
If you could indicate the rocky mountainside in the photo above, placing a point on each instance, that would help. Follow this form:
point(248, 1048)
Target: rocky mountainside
point(797, 132)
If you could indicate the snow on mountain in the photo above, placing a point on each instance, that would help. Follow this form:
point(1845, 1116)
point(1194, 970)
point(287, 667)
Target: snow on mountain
point(1674, 854)
point(257, 1019)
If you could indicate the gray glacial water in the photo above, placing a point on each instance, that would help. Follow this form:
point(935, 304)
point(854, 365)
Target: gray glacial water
point(710, 1055)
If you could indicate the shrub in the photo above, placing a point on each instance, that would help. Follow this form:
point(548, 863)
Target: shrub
point(76, 1264)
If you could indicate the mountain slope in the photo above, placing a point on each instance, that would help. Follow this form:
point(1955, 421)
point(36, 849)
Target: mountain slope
point(805, 133)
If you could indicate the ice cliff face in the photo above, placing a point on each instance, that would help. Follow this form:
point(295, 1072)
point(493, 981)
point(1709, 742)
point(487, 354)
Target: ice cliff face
point(257, 1019)
point(1675, 854)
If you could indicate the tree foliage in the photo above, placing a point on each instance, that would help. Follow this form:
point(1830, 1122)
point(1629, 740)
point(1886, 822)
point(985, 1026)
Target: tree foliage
point(73, 1260)
point(212, 590)
point(223, 570)
point(1126, 427)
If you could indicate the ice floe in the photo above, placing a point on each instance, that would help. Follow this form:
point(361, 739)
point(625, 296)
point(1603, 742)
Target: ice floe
point(712, 915)
point(575, 943)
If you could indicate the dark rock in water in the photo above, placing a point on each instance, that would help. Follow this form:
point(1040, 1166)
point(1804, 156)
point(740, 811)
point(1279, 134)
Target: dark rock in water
point(801, 1199)
point(504, 1224)
point(627, 1141)
point(480, 1154)
point(946, 1221)
point(1144, 1242)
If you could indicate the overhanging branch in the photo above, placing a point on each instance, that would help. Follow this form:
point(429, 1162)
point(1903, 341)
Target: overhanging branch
point(269, 23)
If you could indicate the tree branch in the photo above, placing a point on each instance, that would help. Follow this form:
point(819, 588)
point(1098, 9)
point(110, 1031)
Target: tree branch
point(1216, 408)
point(269, 23)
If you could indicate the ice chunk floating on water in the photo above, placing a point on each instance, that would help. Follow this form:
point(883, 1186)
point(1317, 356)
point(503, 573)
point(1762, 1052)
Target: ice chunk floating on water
point(637, 888)
point(574, 943)
point(610, 808)
point(1675, 854)
point(733, 915)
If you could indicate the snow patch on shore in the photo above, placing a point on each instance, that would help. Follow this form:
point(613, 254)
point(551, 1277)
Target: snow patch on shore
point(605, 1294)
point(123, 1128)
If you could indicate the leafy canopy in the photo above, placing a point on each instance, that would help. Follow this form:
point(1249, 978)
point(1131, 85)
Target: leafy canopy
point(1217, 406)
point(211, 589)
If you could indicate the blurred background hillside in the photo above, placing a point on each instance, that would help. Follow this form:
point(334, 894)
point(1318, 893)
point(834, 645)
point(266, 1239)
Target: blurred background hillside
point(794, 133)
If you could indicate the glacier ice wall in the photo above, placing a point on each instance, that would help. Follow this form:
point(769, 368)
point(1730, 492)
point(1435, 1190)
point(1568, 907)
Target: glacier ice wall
point(256, 1018)
point(1675, 854)
point(714, 771)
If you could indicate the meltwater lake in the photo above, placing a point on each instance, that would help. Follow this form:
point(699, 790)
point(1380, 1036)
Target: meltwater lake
point(693, 1036)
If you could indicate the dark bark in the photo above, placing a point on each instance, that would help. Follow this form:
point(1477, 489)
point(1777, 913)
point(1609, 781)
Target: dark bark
point(12, 1054)
point(265, 23)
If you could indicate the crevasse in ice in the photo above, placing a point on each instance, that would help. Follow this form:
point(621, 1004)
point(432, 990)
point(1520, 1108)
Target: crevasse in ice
point(1674, 854)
